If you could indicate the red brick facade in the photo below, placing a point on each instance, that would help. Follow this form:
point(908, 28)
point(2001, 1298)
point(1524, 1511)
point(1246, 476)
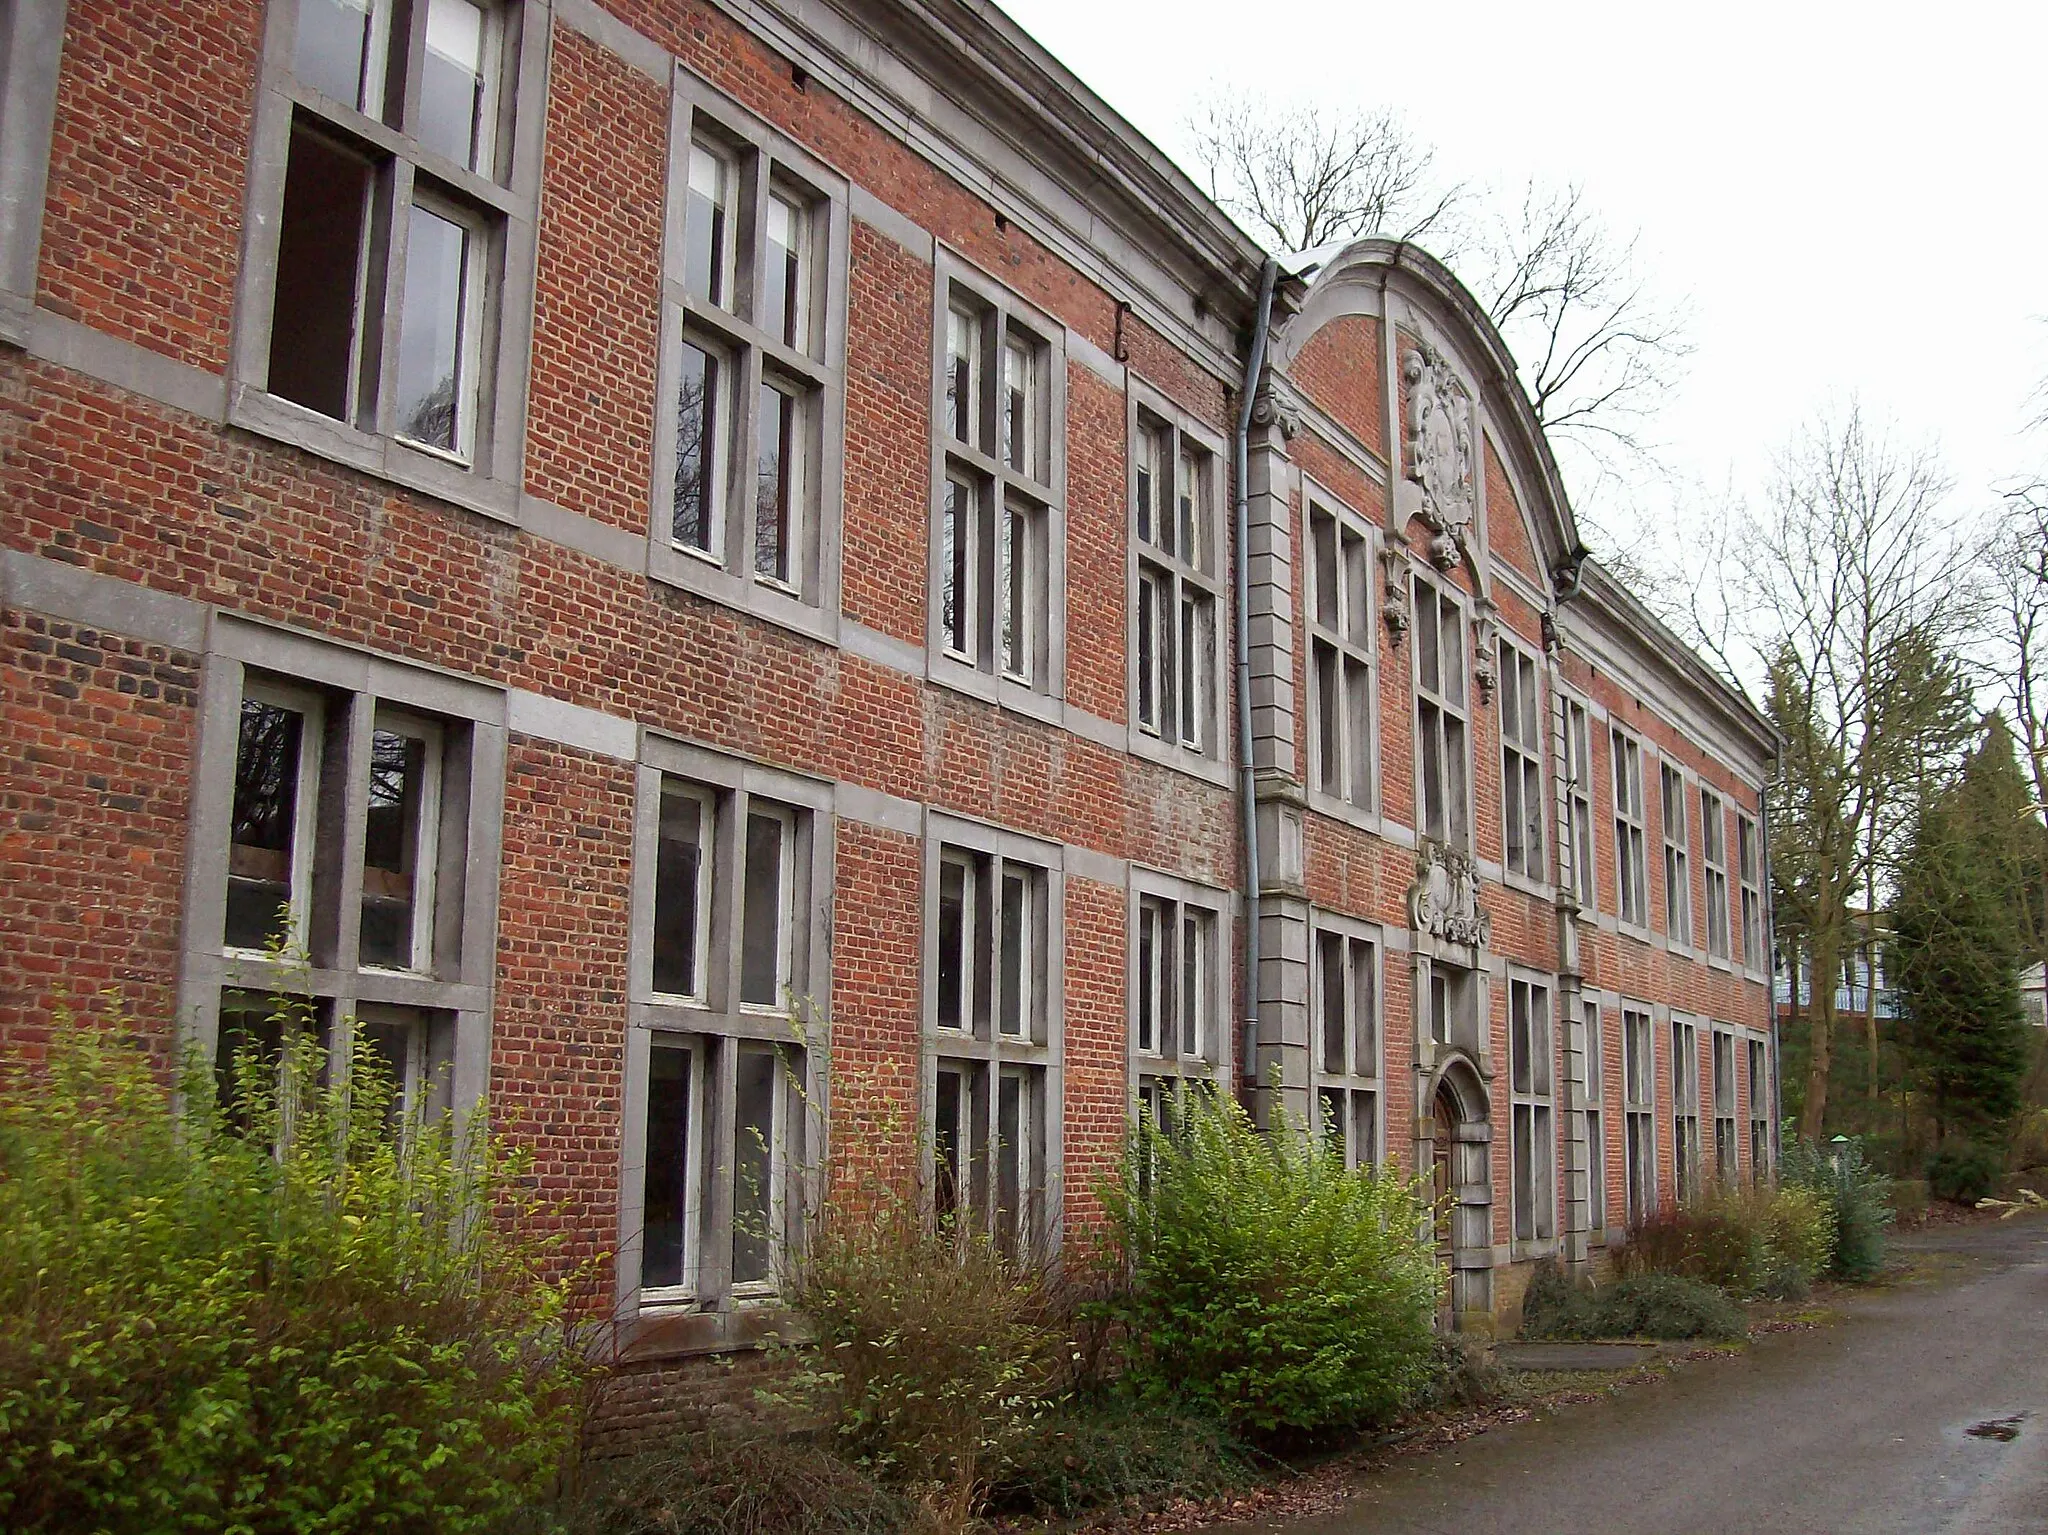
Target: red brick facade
point(139, 523)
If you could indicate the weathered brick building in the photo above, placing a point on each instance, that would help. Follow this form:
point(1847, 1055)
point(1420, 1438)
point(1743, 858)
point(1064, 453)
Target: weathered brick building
point(611, 526)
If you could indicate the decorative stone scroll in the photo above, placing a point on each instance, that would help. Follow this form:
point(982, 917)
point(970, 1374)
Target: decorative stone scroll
point(1485, 647)
point(1394, 593)
point(1444, 900)
point(1440, 457)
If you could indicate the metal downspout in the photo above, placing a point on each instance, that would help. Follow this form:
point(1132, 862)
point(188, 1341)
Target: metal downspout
point(1255, 365)
point(1771, 984)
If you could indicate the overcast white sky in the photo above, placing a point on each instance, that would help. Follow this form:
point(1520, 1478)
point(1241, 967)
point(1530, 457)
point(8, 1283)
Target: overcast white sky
point(1852, 197)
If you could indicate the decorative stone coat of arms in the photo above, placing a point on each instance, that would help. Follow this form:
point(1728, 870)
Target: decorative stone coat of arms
point(1444, 900)
point(1440, 451)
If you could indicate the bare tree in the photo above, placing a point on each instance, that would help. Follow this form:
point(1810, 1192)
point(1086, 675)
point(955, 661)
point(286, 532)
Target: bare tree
point(1301, 175)
point(1595, 349)
point(1843, 589)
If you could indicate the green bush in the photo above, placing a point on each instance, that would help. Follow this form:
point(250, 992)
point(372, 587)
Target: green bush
point(1669, 1306)
point(737, 1481)
point(935, 1350)
point(1857, 1196)
point(1799, 1241)
point(300, 1327)
point(1965, 1173)
point(1115, 1453)
point(1268, 1284)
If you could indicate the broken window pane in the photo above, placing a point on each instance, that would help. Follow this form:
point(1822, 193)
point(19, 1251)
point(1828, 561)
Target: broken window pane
point(754, 1169)
point(391, 849)
point(665, 1186)
point(314, 320)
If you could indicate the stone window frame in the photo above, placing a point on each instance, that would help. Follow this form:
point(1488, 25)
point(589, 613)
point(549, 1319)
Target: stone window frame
point(1640, 1185)
point(1349, 1081)
point(1578, 832)
point(1688, 1167)
point(1517, 663)
point(491, 483)
point(766, 158)
point(31, 55)
point(1713, 872)
point(1002, 311)
point(1749, 880)
point(1154, 1075)
point(1593, 1048)
point(1533, 1099)
point(1757, 1054)
point(998, 1053)
point(1631, 832)
point(1458, 831)
point(1348, 648)
point(1679, 928)
point(1149, 409)
point(718, 1316)
point(1728, 1153)
point(456, 990)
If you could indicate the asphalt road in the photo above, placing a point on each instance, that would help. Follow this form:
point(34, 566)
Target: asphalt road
point(1862, 1426)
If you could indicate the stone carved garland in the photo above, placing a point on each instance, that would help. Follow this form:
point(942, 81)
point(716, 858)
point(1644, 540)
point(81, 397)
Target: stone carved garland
point(1444, 900)
point(1440, 451)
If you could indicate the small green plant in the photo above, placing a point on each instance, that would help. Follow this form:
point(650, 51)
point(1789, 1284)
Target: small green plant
point(1965, 1172)
point(1267, 1284)
point(307, 1324)
point(1799, 1241)
point(1858, 1198)
point(1107, 1452)
point(1744, 1240)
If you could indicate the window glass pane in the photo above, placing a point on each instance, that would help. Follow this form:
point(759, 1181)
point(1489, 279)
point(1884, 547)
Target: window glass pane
point(1427, 666)
point(1148, 660)
point(1430, 725)
point(452, 82)
point(955, 932)
point(1196, 649)
point(1193, 485)
point(963, 344)
point(1452, 643)
point(1358, 706)
point(1511, 819)
point(430, 338)
point(1014, 572)
point(707, 218)
point(1330, 1117)
point(1149, 961)
point(331, 52)
point(1328, 717)
point(754, 1165)
point(680, 885)
point(1365, 985)
point(948, 1141)
point(1151, 484)
point(1014, 971)
point(665, 1187)
point(764, 921)
point(1012, 1158)
point(1194, 952)
point(1357, 593)
point(391, 847)
point(699, 420)
point(775, 484)
point(1330, 961)
point(1018, 412)
point(956, 565)
point(1456, 791)
point(263, 824)
point(313, 323)
point(784, 312)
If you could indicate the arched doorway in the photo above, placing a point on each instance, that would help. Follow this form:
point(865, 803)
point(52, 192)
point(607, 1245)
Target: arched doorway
point(1461, 1181)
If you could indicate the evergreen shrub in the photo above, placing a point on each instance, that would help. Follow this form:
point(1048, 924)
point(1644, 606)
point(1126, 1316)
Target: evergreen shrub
point(1268, 1284)
point(1857, 1197)
point(1965, 1172)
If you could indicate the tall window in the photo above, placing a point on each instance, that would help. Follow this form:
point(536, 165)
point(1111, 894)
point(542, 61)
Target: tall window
point(1342, 651)
point(1759, 1108)
point(336, 830)
point(1535, 1134)
point(1595, 1048)
point(1631, 874)
point(728, 967)
point(1714, 863)
point(1453, 1013)
point(397, 202)
point(1178, 997)
point(1521, 763)
point(1677, 861)
point(1440, 714)
point(1347, 1042)
point(1727, 1152)
point(1639, 1113)
point(1177, 572)
point(999, 404)
point(1748, 872)
point(992, 1023)
point(1685, 1109)
point(752, 294)
point(1578, 804)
